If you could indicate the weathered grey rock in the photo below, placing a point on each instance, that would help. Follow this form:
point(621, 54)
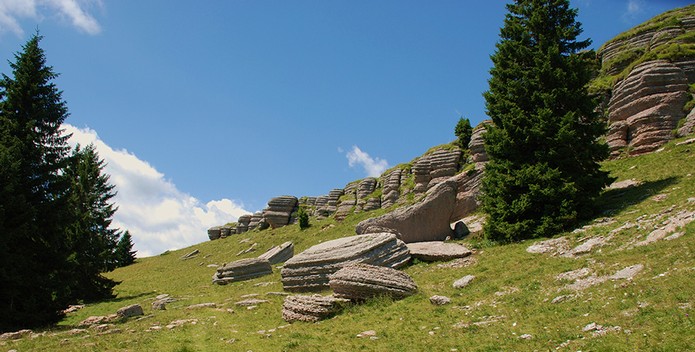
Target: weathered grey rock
point(328, 204)
point(438, 251)
point(255, 220)
point(345, 208)
point(191, 254)
point(645, 107)
point(688, 126)
point(366, 187)
point(362, 281)
point(391, 188)
point(461, 230)
point(464, 281)
point(130, 311)
point(311, 308)
point(433, 168)
point(279, 254)
point(477, 144)
point(279, 210)
point(468, 188)
point(310, 269)
point(421, 172)
point(371, 204)
point(16, 335)
point(214, 232)
point(243, 223)
point(243, 269)
point(440, 300)
point(427, 220)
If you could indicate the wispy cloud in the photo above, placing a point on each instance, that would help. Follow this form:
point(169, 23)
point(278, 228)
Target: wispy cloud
point(12, 11)
point(633, 8)
point(372, 166)
point(158, 215)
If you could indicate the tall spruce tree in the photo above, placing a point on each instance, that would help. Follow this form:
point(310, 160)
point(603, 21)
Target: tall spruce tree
point(91, 241)
point(544, 171)
point(33, 215)
point(125, 255)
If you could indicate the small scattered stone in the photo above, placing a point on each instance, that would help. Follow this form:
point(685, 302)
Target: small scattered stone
point(202, 305)
point(130, 311)
point(190, 255)
point(440, 300)
point(251, 302)
point(526, 337)
point(464, 281)
point(368, 333)
point(15, 335)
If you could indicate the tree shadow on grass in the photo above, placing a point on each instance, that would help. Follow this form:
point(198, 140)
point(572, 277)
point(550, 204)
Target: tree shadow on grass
point(613, 201)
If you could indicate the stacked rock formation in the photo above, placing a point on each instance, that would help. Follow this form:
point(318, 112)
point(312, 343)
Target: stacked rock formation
point(468, 185)
point(391, 187)
point(434, 168)
point(477, 144)
point(328, 204)
point(365, 188)
point(243, 223)
point(257, 221)
point(359, 282)
point(214, 232)
point(311, 308)
point(279, 211)
point(428, 220)
point(645, 107)
point(243, 269)
point(279, 254)
point(310, 269)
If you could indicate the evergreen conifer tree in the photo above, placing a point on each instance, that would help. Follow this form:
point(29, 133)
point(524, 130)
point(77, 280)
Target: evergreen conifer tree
point(463, 132)
point(125, 255)
point(544, 171)
point(90, 239)
point(33, 215)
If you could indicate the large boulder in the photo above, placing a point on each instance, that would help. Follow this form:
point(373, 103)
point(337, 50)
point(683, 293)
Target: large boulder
point(438, 251)
point(243, 269)
point(435, 167)
point(310, 269)
point(328, 204)
point(214, 232)
point(428, 220)
point(468, 185)
point(279, 210)
point(279, 254)
point(358, 282)
point(311, 308)
point(243, 223)
point(645, 107)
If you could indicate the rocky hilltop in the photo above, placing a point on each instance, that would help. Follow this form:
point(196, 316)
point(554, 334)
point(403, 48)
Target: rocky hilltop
point(646, 81)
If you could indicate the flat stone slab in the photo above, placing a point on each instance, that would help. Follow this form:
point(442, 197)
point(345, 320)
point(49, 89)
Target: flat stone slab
point(243, 269)
point(362, 281)
point(310, 269)
point(279, 254)
point(438, 251)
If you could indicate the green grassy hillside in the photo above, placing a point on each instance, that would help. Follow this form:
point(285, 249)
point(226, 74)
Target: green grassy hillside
point(512, 304)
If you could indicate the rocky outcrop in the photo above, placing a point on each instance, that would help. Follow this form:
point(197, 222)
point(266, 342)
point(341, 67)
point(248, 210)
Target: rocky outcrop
point(432, 169)
point(243, 269)
point(310, 269)
point(243, 223)
point(645, 107)
point(391, 187)
point(258, 221)
point(214, 232)
point(311, 308)
point(279, 210)
point(279, 254)
point(437, 251)
point(688, 126)
point(359, 282)
point(328, 204)
point(428, 220)
point(477, 144)
point(468, 188)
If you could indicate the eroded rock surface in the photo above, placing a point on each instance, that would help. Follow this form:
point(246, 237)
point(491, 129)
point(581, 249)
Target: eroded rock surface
point(311, 308)
point(279, 210)
point(243, 269)
point(358, 282)
point(310, 269)
point(279, 254)
point(438, 251)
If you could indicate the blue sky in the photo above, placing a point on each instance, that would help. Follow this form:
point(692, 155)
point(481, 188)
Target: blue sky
point(207, 109)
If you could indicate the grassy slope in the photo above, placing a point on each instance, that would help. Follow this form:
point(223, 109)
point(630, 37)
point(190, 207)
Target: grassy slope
point(656, 310)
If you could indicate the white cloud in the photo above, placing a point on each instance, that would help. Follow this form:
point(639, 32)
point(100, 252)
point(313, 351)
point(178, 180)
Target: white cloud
point(11, 11)
point(158, 215)
point(374, 167)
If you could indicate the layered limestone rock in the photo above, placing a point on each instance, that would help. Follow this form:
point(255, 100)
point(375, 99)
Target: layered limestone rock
point(468, 186)
point(255, 220)
point(688, 126)
point(310, 269)
point(345, 208)
point(279, 254)
point(438, 251)
point(391, 187)
point(279, 211)
point(243, 223)
point(243, 269)
point(214, 232)
point(311, 308)
point(477, 144)
point(428, 220)
point(645, 107)
point(433, 168)
point(328, 204)
point(359, 282)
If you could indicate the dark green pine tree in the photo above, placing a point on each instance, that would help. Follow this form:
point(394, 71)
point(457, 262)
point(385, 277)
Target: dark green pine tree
point(91, 241)
point(125, 255)
point(463, 132)
point(33, 212)
point(544, 172)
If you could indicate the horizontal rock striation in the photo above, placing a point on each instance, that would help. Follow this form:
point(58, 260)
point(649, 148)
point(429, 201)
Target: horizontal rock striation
point(244, 269)
point(279, 210)
point(279, 254)
point(243, 223)
point(328, 204)
point(311, 308)
point(359, 282)
point(391, 187)
point(310, 269)
point(468, 186)
point(477, 144)
point(434, 168)
point(438, 251)
point(645, 107)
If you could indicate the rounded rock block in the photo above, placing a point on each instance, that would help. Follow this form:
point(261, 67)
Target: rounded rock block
point(359, 282)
